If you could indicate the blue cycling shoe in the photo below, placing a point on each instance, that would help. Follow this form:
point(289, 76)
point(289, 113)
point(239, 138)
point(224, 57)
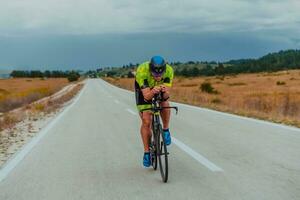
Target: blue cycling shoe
point(147, 159)
point(167, 136)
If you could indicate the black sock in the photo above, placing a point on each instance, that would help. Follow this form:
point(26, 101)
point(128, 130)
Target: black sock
point(165, 130)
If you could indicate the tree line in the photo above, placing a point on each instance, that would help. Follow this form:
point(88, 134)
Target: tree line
point(41, 74)
point(70, 75)
point(283, 60)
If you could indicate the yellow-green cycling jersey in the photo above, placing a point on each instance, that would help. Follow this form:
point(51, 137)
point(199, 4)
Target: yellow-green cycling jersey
point(144, 79)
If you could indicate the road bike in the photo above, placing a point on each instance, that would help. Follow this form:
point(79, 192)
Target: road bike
point(158, 147)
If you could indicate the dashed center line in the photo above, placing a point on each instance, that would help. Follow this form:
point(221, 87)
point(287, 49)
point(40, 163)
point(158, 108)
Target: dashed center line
point(201, 159)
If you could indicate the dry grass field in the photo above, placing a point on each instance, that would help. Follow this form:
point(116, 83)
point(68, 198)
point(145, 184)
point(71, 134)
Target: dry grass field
point(42, 107)
point(20, 91)
point(270, 96)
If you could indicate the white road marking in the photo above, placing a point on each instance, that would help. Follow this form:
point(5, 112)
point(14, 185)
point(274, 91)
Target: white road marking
point(201, 159)
point(116, 101)
point(19, 156)
point(132, 112)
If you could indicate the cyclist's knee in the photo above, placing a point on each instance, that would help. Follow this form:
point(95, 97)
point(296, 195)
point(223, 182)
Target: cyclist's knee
point(146, 119)
point(146, 123)
point(164, 103)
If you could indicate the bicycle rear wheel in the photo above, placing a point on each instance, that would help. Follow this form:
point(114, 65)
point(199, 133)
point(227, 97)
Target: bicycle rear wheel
point(162, 154)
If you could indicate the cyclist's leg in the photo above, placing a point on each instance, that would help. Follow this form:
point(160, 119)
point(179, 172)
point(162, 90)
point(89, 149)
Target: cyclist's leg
point(165, 114)
point(146, 118)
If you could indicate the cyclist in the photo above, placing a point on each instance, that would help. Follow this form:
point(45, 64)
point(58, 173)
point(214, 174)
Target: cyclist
point(152, 78)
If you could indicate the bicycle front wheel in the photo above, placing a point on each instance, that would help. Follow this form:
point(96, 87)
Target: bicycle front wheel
point(153, 153)
point(162, 154)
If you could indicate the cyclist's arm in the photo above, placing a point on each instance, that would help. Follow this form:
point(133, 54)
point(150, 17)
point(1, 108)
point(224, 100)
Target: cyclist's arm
point(167, 83)
point(149, 93)
point(166, 91)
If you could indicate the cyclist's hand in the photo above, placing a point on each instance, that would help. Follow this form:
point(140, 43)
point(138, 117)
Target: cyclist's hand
point(164, 88)
point(156, 89)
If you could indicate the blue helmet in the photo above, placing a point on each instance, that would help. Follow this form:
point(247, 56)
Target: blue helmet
point(157, 66)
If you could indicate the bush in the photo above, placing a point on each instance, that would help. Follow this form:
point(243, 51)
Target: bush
point(189, 85)
point(111, 74)
point(130, 74)
point(8, 121)
point(208, 88)
point(280, 83)
point(73, 76)
point(216, 101)
point(220, 77)
point(39, 107)
point(236, 84)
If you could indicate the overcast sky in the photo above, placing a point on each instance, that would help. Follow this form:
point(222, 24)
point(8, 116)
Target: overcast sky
point(92, 33)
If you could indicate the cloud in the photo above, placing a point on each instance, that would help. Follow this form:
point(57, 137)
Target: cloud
point(137, 16)
point(96, 32)
point(69, 52)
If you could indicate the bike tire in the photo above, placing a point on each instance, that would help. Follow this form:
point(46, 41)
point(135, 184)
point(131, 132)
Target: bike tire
point(153, 154)
point(162, 154)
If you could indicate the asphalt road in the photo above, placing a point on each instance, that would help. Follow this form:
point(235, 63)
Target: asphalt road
point(94, 151)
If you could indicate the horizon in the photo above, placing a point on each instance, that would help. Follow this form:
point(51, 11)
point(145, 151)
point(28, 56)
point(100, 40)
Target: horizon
point(119, 66)
point(134, 63)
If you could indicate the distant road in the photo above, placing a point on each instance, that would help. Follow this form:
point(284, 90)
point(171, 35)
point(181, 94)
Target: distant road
point(94, 151)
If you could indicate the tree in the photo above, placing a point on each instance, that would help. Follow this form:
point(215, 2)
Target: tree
point(111, 73)
point(195, 72)
point(47, 74)
point(207, 71)
point(73, 76)
point(130, 74)
point(185, 72)
point(220, 69)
